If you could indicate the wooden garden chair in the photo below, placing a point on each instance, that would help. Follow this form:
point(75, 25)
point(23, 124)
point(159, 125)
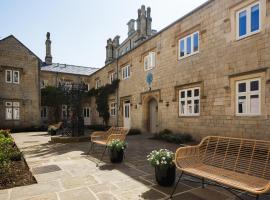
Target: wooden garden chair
point(104, 138)
point(232, 163)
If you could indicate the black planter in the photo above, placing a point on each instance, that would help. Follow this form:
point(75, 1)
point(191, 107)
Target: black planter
point(53, 132)
point(165, 176)
point(116, 156)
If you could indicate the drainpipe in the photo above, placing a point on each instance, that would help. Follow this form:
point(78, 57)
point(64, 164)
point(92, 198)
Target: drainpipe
point(117, 94)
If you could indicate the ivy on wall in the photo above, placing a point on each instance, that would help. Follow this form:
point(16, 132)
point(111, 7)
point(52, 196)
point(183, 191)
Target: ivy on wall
point(102, 94)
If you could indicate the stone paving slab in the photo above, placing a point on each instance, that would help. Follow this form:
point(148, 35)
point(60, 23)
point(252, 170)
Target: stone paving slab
point(76, 176)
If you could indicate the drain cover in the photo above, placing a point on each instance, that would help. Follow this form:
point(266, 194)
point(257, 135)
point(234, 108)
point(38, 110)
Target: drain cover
point(45, 169)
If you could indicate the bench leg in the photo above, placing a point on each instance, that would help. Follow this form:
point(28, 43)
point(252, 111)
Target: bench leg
point(102, 155)
point(203, 185)
point(91, 147)
point(176, 184)
point(257, 197)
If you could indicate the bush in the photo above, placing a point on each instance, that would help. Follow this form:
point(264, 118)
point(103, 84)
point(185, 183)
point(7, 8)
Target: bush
point(98, 127)
point(117, 145)
point(169, 136)
point(4, 133)
point(134, 132)
point(163, 158)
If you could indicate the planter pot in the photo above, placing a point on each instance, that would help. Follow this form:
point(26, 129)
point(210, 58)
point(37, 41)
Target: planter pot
point(116, 156)
point(165, 176)
point(53, 132)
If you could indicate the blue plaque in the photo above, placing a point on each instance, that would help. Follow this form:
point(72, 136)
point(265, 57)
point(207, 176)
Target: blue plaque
point(149, 79)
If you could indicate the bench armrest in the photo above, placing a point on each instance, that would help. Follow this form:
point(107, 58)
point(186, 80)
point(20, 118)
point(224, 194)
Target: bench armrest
point(112, 137)
point(98, 134)
point(186, 152)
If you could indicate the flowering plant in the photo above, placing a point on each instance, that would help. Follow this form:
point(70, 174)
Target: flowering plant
point(117, 145)
point(162, 158)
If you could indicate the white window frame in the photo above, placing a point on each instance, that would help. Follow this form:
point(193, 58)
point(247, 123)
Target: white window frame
point(13, 76)
point(13, 107)
point(6, 75)
point(186, 99)
point(126, 72)
point(150, 61)
point(192, 46)
point(113, 109)
point(248, 11)
point(44, 84)
point(112, 77)
point(247, 94)
point(98, 83)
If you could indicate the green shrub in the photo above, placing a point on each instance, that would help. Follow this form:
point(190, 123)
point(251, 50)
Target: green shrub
point(134, 132)
point(5, 133)
point(98, 127)
point(117, 145)
point(15, 155)
point(169, 136)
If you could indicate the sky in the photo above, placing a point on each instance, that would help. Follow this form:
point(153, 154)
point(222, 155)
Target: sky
point(80, 28)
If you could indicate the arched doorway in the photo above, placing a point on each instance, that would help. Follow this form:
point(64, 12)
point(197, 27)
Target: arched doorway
point(153, 115)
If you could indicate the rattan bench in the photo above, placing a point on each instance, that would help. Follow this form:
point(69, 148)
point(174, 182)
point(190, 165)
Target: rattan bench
point(106, 137)
point(234, 163)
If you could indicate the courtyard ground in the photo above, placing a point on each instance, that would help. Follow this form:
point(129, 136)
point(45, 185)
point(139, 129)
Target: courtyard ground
point(66, 172)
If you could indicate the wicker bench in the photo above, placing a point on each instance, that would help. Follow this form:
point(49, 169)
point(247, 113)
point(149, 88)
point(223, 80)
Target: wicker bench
point(105, 137)
point(55, 127)
point(233, 163)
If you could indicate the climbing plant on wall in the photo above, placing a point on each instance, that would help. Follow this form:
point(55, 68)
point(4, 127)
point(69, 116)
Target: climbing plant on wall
point(102, 94)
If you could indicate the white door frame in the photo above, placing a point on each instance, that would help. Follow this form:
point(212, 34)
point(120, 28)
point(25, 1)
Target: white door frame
point(126, 114)
point(87, 115)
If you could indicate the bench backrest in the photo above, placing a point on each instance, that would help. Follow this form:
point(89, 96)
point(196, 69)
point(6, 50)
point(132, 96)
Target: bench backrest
point(246, 156)
point(117, 130)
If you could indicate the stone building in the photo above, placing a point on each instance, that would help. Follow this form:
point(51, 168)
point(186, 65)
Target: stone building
point(57, 74)
point(207, 73)
point(19, 85)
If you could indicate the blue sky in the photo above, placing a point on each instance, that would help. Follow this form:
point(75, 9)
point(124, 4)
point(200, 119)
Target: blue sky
point(80, 28)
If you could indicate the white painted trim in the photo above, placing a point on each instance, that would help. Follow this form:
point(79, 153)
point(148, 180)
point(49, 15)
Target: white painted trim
point(11, 76)
point(185, 46)
point(248, 11)
point(126, 72)
point(192, 99)
point(247, 94)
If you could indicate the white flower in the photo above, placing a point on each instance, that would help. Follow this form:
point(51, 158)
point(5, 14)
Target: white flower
point(157, 162)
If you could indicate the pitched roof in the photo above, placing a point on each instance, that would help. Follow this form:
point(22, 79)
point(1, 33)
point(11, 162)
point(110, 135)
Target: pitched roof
point(69, 69)
point(12, 36)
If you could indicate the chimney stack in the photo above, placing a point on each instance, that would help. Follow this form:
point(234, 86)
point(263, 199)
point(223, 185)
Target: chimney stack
point(131, 28)
point(48, 58)
point(109, 51)
point(149, 22)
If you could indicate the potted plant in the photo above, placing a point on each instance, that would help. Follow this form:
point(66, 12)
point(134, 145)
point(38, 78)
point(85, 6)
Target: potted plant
point(162, 160)
point(117, 148)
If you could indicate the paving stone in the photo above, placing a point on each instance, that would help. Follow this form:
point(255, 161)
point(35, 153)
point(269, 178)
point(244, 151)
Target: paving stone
point(51, 176)
point(4, 194)
point(142, 193)
point(34, 190)
point(77, 194)
point(167, 190)
point(50, 196)
point(106, 196)
point(73, 182)
point(45, 169)
point(103, 187)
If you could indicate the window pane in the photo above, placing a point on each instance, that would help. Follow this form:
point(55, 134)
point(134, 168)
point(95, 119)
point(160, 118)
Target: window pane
point(16, 113)
point(196, 42)
point(8, 76)
point(242, 87)
point(189, 104)
point(242, 23)
point(196, 106)
point(242, 103)
point(254, 104)
point(254, 85)
point(16, 77)
point(183, 94)
point(255, 18)
point(182, 48)
point(189, 93)
point(8, 113)
point(196, 92)
point(182, 109)
point(189, 45)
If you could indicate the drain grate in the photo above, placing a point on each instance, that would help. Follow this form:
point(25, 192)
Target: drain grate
point(45, 169)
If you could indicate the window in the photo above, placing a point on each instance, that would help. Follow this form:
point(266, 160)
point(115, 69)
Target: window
point(12, 110)
point(8, 76)
point(12, 76)
point(112, 77)
point(189, 45)
point(98, 83)
point(43, 113)
point(248, 97)
point(248, 20)
point(150, 61)
point(126, 72)
point(88, 86)
point(189, 102)
point(44, 84)
point(113, 109)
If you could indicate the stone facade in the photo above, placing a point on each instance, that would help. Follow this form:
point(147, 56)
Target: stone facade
point(19, 85)
point(221, 61)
